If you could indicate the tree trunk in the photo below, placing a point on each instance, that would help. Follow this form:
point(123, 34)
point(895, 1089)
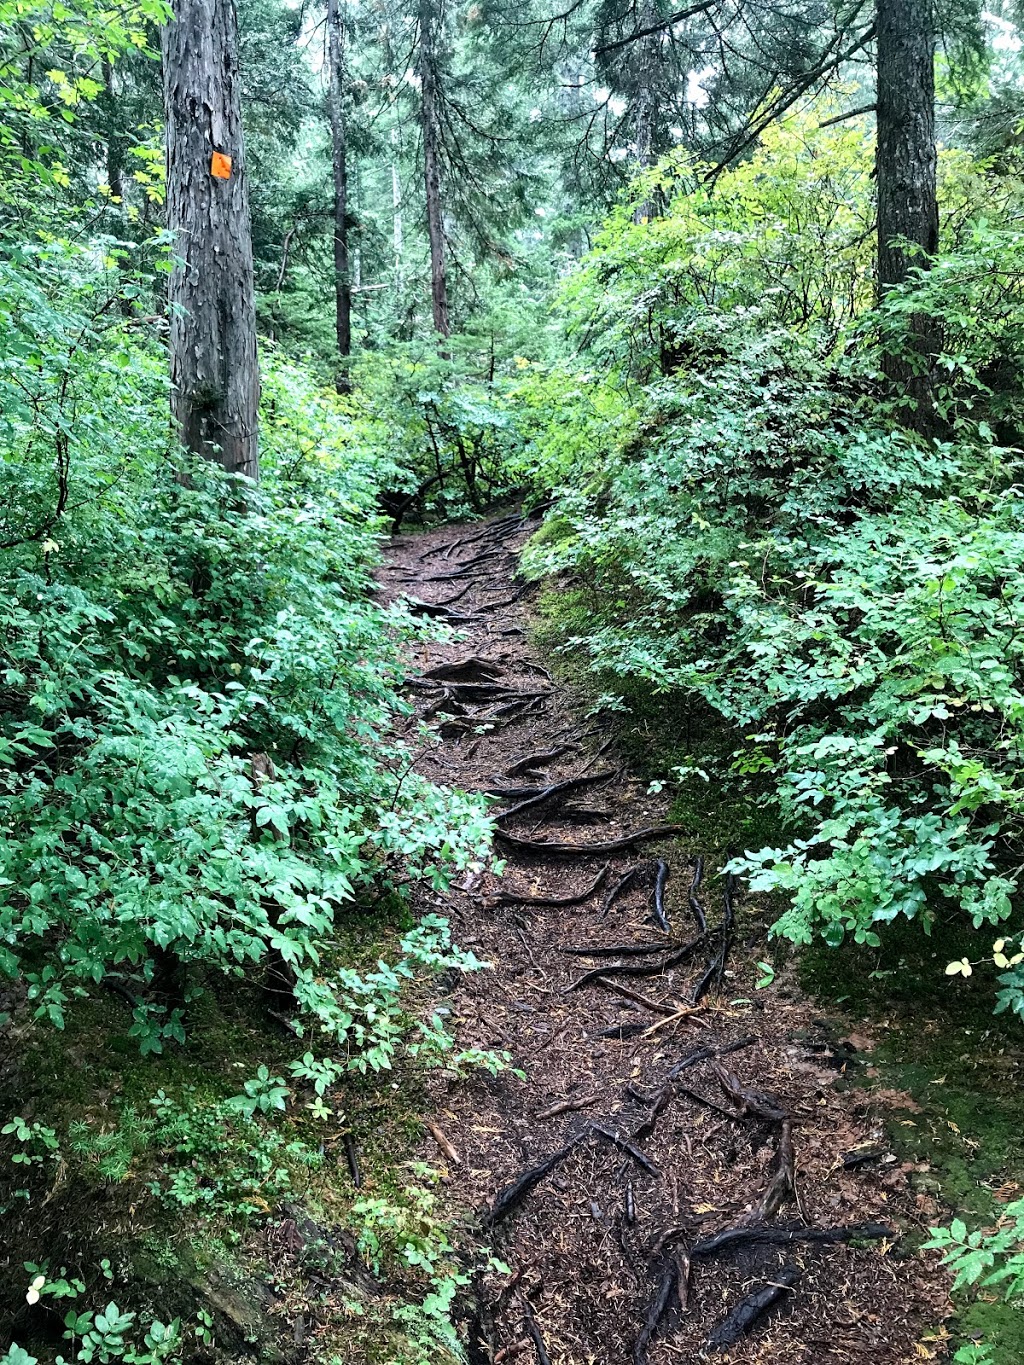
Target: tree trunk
point(905, 162)
point(342, 282)
point(115, 146)
point(907, 202)
point(646, 57)
point(432, 169)
point(214, 367)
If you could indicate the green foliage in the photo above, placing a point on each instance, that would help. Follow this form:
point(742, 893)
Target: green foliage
point(986, 1258)
point(50, 56)
point(750, 525)
point(452, 436)
point(162, 630)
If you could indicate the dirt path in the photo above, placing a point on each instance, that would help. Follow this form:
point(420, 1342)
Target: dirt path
point(666, 1101)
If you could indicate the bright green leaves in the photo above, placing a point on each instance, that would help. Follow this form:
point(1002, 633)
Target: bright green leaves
point(65, 43)
point(744, 520)
point(986, 1259)
point(154, 640)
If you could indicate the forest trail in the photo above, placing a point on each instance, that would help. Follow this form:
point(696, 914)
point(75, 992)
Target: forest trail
point(685, 1150)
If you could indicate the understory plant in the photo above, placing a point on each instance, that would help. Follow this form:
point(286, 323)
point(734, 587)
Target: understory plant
point(747, 520)
point(197, 688)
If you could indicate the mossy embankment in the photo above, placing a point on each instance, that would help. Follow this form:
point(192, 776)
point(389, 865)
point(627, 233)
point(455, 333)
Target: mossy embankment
point(144, 1185)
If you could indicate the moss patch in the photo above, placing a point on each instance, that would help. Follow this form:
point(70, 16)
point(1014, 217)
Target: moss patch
point(183, 1200)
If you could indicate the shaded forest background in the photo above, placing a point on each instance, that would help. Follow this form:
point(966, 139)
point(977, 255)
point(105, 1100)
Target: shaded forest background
point(734, 292)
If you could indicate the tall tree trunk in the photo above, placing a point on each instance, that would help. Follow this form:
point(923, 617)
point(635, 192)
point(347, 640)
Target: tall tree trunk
point(432, 168)
point(646, 58)
point(214, 367)
point(907, 202)
point(115, 146)
point(905, 162)
point(342, 282)
point(396, 213)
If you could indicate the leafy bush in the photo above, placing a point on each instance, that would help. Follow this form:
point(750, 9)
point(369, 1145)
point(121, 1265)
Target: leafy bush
point(451, 436)
point(196, 686)
point(749, 524)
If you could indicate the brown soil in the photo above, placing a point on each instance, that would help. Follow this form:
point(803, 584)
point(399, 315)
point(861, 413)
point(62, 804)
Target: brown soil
point(607, 1233)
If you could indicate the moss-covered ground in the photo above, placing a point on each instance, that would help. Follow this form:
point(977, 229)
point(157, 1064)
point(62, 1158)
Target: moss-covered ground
point(159, 1199)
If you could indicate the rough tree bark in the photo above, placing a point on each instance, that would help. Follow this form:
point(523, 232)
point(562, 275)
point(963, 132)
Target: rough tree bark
point(647, 57)
point(339, 148)
point(906, 157)
point(214, 368)
point(432, 166)
point(906, 168)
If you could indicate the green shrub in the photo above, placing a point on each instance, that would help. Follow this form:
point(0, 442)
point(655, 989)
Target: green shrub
point(196, 687)
point(753, 527)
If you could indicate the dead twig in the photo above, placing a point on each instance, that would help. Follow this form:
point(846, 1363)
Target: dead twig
point(570, 1106)
point(442, 1142)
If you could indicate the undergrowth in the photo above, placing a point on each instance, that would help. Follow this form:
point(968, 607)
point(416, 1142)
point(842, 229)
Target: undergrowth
point(802, 590)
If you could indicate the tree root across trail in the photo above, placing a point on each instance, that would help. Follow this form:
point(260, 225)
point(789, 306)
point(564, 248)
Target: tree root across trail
point(670, 1182)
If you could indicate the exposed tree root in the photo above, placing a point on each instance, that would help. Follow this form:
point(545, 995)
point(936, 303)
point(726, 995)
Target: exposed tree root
point(513, 898)
point(509, 1199)
point(749, 1310)
point(729, 1239)
point(552, 848)
point(533, 761)
point(557, 789)
point(670, 959)
point(656, 1311)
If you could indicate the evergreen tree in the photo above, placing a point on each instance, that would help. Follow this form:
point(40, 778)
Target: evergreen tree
point(214, 368)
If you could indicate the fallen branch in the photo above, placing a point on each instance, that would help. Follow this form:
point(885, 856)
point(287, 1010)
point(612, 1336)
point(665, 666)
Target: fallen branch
point(443, 1143)
point(745, 1315)
point(676, 1016)
point(683, 1281)
point(624, 1145)
point(568, 1106)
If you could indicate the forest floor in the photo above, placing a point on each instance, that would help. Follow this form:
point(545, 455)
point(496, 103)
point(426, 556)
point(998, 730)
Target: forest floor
point(686, 1148)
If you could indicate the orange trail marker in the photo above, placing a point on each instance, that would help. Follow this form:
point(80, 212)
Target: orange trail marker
point(220, 166)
